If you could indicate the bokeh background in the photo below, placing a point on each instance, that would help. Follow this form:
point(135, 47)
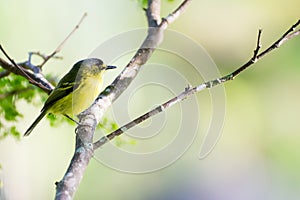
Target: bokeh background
point(258, 154)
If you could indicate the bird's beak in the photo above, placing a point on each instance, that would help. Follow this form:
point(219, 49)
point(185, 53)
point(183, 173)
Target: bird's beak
point(110, 67)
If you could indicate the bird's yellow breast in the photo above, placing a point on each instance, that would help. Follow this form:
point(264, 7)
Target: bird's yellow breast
point(85, 94)
point(81, 98)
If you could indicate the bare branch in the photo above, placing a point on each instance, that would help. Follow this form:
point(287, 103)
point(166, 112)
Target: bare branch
point(153, 13)
point(43, 56)
point(58, 49)
point(66, 188)
point(289, 34)
point(189, 91)
point(16, 65)
point(258, 45)
point(35, 79)
point(39, 78)
point(152, 40)
point(176, 13)
point(91, 117)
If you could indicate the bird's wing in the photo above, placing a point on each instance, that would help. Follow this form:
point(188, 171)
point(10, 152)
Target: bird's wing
point(58, 93)
point(65, 86)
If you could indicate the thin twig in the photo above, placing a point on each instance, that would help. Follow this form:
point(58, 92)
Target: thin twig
point(189, 91)
point(58, 49)
point(37, 78)
point(15, 64)
point(289, 34)
point(258, 45)
point(22, 71)
point(43, 56)
point(176, 13)
point(40, 80)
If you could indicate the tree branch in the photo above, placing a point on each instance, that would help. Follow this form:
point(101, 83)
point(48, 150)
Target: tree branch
point(90, 118)
point(189, 91)
point(153, 13)
point(34, 75)
point(36, 79)
point(289, 34)
point(175, 14)
point(58, 49)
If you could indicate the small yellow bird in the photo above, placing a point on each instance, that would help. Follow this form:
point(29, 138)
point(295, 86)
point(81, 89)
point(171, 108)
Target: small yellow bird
point(76, 91)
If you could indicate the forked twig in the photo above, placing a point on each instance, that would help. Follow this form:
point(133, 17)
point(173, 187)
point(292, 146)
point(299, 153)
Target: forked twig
point(189, 91)
point(22, 71)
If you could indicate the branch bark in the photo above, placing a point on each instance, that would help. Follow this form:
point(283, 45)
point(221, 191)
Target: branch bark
point(37, 79)
point(289, 34)
point(90, 118)
point(34, 75)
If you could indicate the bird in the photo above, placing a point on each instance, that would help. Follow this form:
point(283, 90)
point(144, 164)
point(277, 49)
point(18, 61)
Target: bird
point(75, 91)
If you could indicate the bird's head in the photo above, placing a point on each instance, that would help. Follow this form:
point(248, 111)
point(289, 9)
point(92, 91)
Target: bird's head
point(91, 67)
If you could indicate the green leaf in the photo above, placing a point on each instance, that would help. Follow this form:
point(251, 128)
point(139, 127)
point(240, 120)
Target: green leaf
point(15, 88)
point(52, 119)
point(9, 108)
point(108, 125)
point(14, 132)
point(123, 140)
point(142, 3)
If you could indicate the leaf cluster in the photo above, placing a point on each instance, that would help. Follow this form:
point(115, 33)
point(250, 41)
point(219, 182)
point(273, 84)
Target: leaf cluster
point(14, 89)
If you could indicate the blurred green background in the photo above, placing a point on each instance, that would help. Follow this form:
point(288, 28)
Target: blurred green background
point(258, 154)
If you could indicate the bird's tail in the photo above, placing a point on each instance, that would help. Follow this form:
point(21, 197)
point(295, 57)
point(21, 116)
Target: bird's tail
point(36, 121)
